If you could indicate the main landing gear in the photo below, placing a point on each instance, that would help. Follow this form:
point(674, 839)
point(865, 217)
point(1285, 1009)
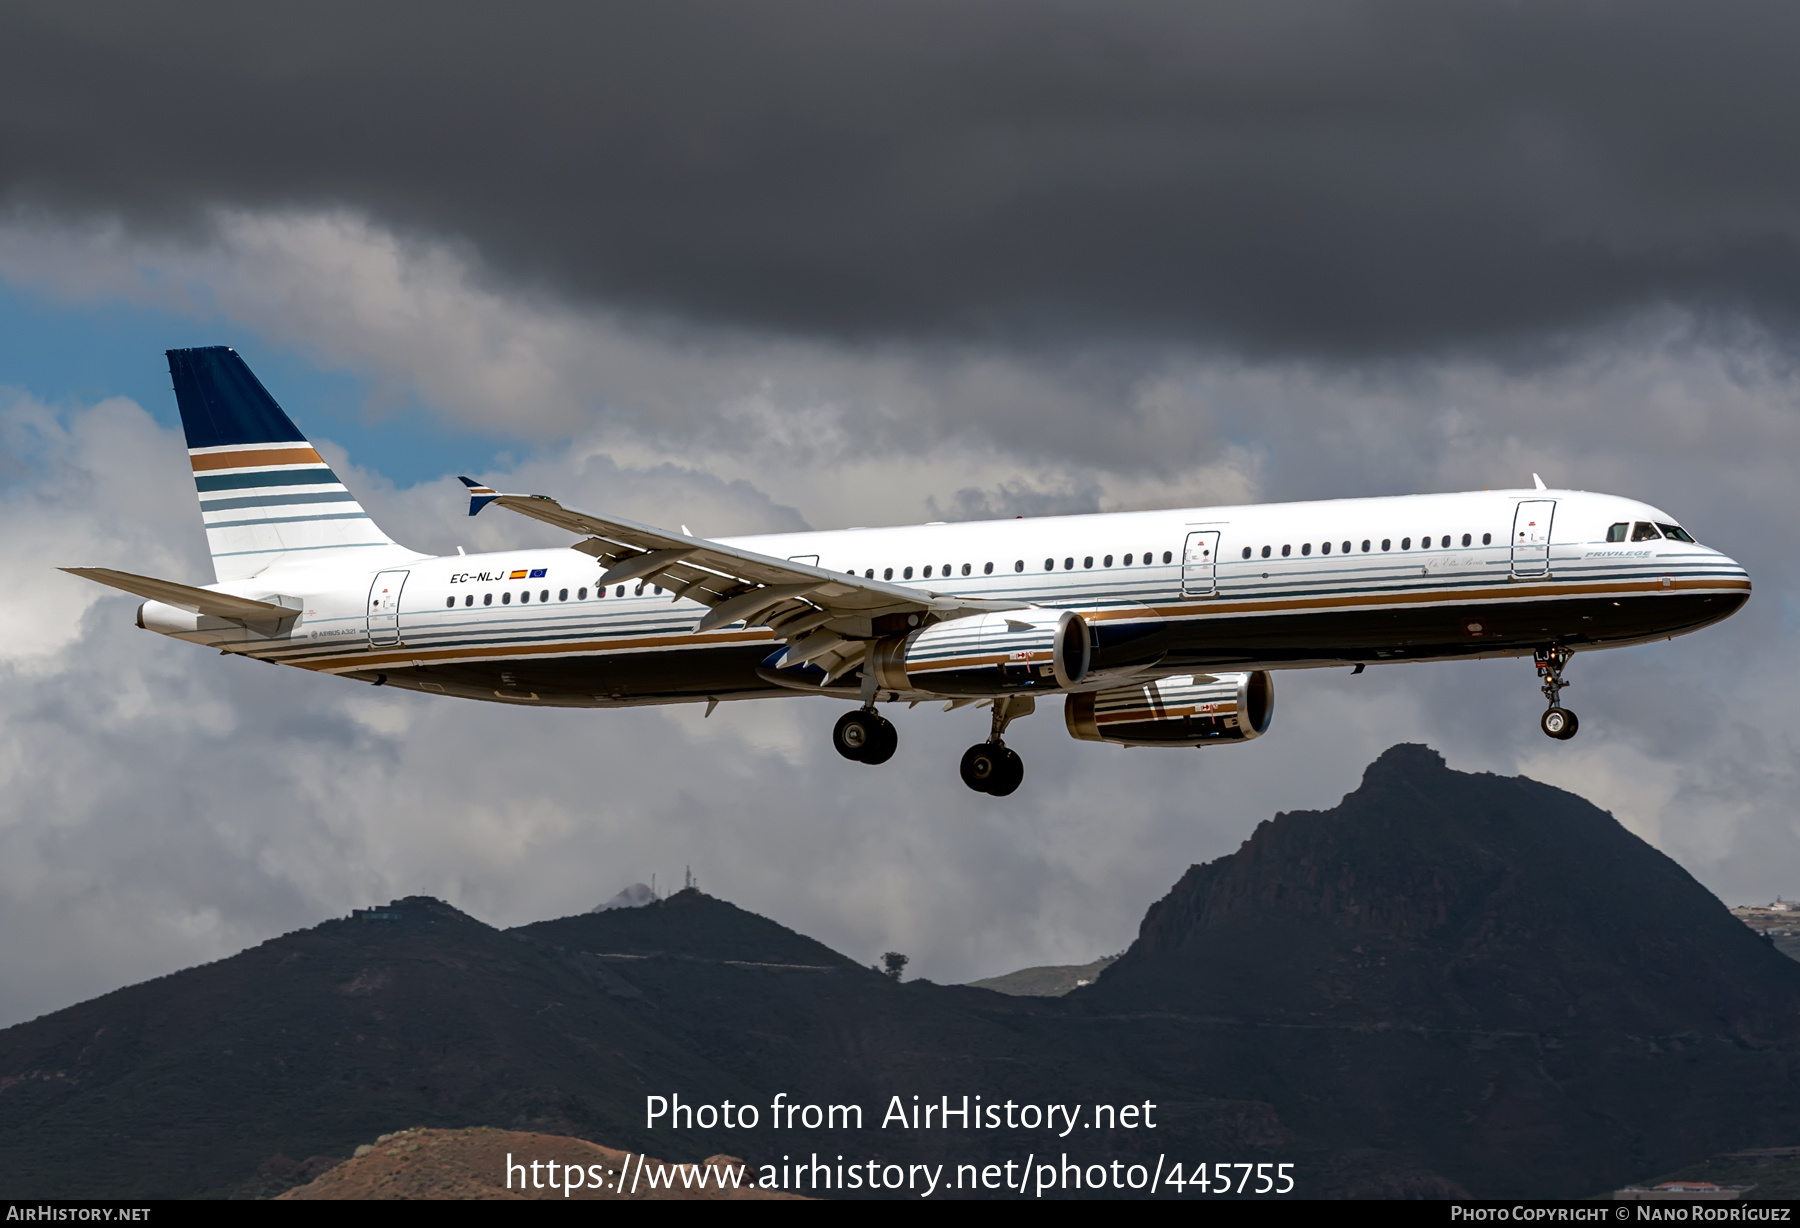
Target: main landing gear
point(1557, 720)
point(992, 766)
point(865, 736)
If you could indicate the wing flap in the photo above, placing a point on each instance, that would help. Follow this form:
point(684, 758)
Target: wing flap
point(187, 597)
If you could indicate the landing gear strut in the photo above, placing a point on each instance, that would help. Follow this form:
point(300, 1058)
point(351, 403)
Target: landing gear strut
point(992, 766)
point(865, 736)
point(1557, 720)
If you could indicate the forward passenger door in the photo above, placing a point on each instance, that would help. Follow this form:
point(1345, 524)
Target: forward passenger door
point(1531, 537)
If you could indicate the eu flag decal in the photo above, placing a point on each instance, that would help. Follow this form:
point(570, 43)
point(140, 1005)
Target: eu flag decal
point(538, 573)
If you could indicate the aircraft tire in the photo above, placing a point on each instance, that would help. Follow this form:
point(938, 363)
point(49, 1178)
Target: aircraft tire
point(884, 744)
point(1012, 773)
point(981, 765)
point(856, 735)
point(1560, 723)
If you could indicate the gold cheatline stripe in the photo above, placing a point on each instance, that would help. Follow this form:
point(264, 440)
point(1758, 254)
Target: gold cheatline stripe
point(251, 459)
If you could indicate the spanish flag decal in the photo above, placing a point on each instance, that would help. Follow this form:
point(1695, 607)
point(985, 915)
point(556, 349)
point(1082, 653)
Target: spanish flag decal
point(517, 575)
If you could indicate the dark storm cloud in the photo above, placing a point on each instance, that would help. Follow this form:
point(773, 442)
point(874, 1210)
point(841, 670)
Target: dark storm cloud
point(1318, 176)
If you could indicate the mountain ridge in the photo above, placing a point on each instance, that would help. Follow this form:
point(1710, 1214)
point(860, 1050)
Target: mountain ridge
point(1423, 990)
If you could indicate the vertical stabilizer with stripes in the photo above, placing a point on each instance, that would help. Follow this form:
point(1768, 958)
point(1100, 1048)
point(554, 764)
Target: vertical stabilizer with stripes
point(266, 496)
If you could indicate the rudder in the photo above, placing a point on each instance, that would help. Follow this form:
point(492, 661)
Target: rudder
point(266, 496)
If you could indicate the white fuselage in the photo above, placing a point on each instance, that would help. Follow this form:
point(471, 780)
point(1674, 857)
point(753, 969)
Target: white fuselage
point(1420, 577)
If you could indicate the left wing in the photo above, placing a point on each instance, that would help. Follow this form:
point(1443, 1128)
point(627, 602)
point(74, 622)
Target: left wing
point(791, 599)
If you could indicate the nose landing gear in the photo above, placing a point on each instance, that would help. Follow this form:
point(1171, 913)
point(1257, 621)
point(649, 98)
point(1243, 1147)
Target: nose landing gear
point(1557, 721)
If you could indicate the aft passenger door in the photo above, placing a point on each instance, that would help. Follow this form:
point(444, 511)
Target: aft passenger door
point(384, 609)
point(1200, 564)
point(1531, 537)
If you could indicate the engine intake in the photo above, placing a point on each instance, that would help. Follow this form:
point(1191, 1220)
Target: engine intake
point(987, 654)
point(1182, 711)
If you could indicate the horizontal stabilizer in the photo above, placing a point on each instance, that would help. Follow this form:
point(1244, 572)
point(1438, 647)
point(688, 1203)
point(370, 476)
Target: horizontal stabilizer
point(187, 597)
point(479, 496)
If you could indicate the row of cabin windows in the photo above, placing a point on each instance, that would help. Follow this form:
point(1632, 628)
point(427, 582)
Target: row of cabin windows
point(1644, 531)
point(987, 569)
point(543, 596)
point(1387, 543)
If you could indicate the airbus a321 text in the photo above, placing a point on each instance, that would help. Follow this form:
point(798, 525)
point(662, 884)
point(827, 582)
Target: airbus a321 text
point(1154, 628)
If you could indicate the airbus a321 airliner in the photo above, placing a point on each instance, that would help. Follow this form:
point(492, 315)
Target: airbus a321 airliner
point(1155, 628)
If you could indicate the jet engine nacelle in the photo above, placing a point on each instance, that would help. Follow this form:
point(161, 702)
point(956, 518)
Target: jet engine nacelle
point(987, 654)
point(1193, 710)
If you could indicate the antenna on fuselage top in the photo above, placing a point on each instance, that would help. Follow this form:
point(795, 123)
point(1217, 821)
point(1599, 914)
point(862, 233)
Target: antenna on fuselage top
point(1538, 482)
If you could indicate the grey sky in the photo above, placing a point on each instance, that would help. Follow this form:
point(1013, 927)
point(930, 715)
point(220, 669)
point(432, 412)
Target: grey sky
point(765, 267)
point(1315, 176)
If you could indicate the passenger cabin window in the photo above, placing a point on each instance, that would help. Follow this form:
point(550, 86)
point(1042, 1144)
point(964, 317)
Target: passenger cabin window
point(545, 594)
point(1487, 539)
point(1129, 557)
point(1246, 554)
point(487, 599)
point(1265, 552)
point(1286, 550)
point(1616, 533)
point(1446, 542)
point(1306, 548)
point(1643, 531)
point(1019, 565)
point(1088, 561)
point(887, 573)
point(1406, 543)
point(581, 594)
point(928, 571)
point(1049, 564)
point(620, 591)
point(469, 600)
point(1365, 545)
point(1674, 532)
point(1167, 555)
point(1467, 539)
point(1387, 543)
point(505, 598)
point(907, 574)
point(449, 603)
point(1068, 564)
point(1107, 561)
point(1347, 547)
point(988, 572)
point(524, 597)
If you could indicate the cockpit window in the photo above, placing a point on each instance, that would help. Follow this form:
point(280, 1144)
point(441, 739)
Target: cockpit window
point(1617, 532)
point(1674, 532)
point(1644, 531)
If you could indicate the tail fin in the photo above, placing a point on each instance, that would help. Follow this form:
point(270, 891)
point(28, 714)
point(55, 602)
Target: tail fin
point(266, 496)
